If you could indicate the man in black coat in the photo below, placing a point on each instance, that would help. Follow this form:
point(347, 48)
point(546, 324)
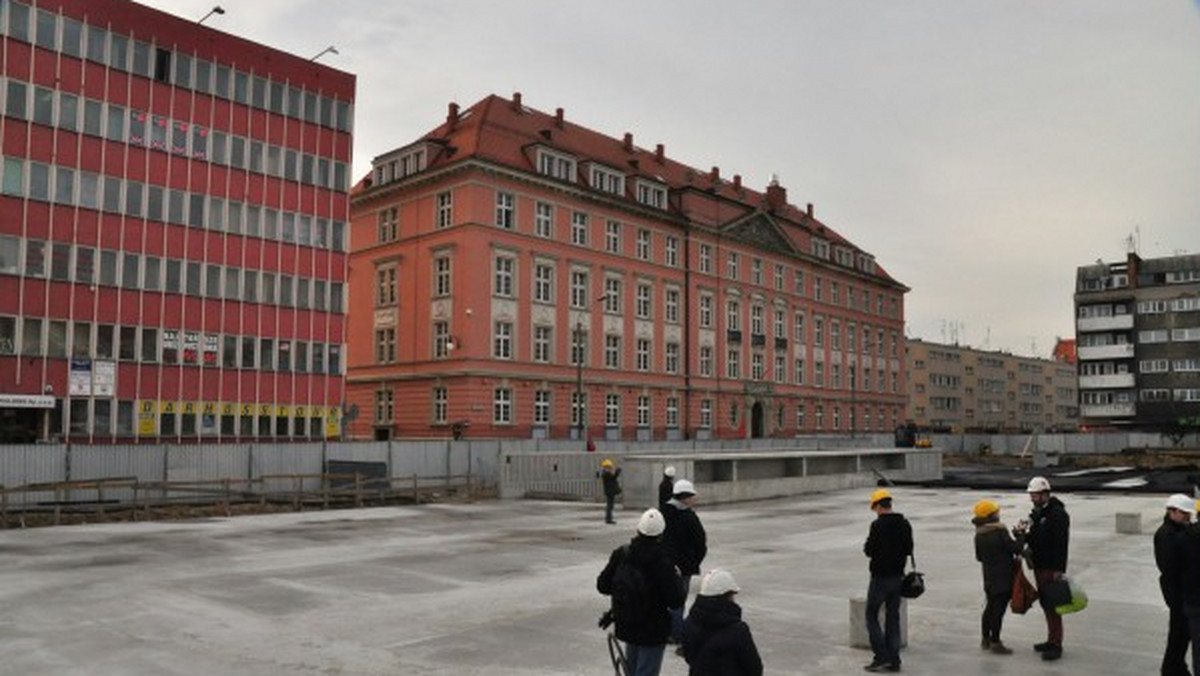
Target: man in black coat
point(1049, 533)
point(666, 487)
point(716, 641)
point(644, 597)
point(888, 544)
point(1170, 553)
point(685, 541)
point(610, 478)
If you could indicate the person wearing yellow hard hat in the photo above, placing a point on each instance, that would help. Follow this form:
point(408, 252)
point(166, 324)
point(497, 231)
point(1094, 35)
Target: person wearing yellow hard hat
point(889, 543)
point(995, 550)
point(610, 476)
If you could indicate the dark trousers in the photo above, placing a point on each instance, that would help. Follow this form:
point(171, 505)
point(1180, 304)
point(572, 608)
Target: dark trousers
point(993, 615)
point(608, 508)
point(1179, 634)
point(1054, 626)
point(884, 592)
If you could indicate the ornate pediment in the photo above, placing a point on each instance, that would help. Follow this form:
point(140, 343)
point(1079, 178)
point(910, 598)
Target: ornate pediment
point(760, 230)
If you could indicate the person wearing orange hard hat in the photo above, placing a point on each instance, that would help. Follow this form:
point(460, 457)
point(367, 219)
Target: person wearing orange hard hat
point(996, 551)
point(610, 477)
point(888, 544)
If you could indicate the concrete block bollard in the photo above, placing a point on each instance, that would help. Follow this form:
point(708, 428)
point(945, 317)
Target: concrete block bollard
point(858, 623)
point(1129, 523)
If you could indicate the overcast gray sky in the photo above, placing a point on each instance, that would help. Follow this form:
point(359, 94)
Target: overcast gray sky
point(982, 150)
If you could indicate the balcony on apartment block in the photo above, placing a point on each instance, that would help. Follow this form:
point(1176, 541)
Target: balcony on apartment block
point(1113, 381)
point(1092, 352)
point(1126, 410)
point(1113, 323)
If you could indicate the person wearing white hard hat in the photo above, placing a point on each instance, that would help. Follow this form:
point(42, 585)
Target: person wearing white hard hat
point(686, 542)
point(1048, 537)
point(1170, 553)
point(666, 487)
point(716, 641)
point(645, 589)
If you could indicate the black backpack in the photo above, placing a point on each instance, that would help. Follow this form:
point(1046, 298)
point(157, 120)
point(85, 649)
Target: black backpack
point(630, 591)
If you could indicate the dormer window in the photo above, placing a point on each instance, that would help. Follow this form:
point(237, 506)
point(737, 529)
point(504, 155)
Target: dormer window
point(608, 180)
point(820, 248)
point(844, 256)
point(652, 194)
point(556, 165)
point(866, 263)
point(399, 164)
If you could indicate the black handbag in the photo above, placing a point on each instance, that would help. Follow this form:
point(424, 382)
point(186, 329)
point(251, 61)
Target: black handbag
point(913, 584)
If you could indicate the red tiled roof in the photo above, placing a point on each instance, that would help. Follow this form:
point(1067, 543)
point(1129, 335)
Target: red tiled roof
point(504, 131)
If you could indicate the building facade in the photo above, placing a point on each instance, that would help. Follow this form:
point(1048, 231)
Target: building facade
point(960, 389)
point(172, 230)
point(1137, 328)
point(514, 274)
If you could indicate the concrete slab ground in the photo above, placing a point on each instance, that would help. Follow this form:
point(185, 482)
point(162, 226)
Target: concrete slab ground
point(507, 588)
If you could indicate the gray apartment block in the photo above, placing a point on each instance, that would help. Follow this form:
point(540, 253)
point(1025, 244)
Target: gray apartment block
point(1137, 327)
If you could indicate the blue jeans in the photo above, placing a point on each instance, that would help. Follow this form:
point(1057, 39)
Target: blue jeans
point(885, 592)
point(685, 581)
point(644, 660)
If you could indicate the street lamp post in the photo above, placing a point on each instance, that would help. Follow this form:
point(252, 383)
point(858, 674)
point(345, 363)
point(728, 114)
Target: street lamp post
point(578, 354)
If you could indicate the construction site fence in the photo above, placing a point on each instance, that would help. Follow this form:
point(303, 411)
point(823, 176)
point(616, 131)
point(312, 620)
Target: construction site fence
point(67, 501)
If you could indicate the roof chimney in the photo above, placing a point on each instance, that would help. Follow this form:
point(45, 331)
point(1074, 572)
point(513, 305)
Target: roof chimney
point(516, 104)
point(737, 182)
point(628, 142)
point(452, 115)
point(558, 118)
point(659, 151)
point(716, 177)
point(776, 194)
point(808, 210)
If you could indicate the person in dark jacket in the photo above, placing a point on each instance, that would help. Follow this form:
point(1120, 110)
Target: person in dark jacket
point(686, 542)
point(666, 487)
point(888, 544)
point(643, 616)
point(1170, 553)
point(610, 476)
point(716, 641)
point(1049, 533)
point(996, 551)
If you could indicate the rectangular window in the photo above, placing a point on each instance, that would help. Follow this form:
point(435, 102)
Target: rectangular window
point(731, 266)
point(502, 338)
point(441, 276)
point(543, 224)
point(733, 364)
point(441, 405)
point(579, 228)
point(705, 264)
point(642, 354)
point(642, 301)
point(706, 413)
point(543, 283)
point(579, 289)
point(706, 361)
point(388, 224)
point(706, 311)
point(543, 339)
point(541, 407)
point(672, 412)
point(644, 250)
point(612, 237)
point(385, 345)
point(502, 406)
point(671, 251)
point(612, 410)
point(31, 336)
point(505, 273)
point(506, 207)
point(612, 351)
point(612, 296)
point(445, 210)
point(672, 358)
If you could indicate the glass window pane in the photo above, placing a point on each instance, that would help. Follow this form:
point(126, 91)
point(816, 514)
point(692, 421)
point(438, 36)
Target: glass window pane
point(14, 177)
point(64, 185)
point(47, 30)
point(43, 106)
point(18, 21)
point(97, 39)
point(68, 111)
point(14, 102)
point(35, 258)
point(118, 52)
point(39, 181)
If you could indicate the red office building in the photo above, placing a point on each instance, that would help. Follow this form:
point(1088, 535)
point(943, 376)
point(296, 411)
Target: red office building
point(172, 230)
point(515, 274)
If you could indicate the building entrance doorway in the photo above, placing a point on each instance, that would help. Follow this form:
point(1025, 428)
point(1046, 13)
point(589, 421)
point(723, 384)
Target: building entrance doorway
point(756, 420)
